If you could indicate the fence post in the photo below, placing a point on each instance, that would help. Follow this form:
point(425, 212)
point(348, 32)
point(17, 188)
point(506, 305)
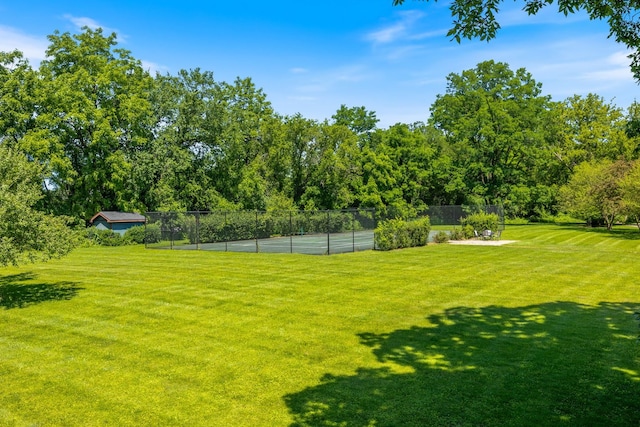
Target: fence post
point(255, 231)
point(226, 238)
point(197, 230)
point(353, 229)
point(290, 231)
point(375, 225)
point(328, 233)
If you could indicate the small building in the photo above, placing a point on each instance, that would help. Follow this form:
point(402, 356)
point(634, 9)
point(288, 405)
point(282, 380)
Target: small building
point(118, 222)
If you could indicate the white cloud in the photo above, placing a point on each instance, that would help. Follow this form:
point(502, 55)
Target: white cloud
point(298, 70)
point(396, 31)
point(33, 47)
point(83, 21)
point(154, 68)
point(80, 22)
point(327, 80)
point(614, 68)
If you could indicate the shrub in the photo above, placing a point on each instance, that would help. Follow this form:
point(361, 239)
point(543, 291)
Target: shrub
point(481, 221)
point(468, 231)
point(457, 234)
point(105, 237)
point(135, 234)
point(397, 234)
point(441, 237)
point(152, 233)
point(418, 231)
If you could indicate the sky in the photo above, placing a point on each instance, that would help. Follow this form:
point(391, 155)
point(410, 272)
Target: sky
point(312, 57)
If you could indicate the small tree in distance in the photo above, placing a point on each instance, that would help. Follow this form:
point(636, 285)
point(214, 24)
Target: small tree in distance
point(594, 192)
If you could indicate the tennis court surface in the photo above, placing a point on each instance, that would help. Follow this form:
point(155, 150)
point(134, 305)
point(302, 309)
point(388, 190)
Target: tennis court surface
point(311, 244)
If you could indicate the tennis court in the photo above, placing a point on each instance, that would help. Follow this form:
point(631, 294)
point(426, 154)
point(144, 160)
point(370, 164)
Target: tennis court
point(304, 232)
point(311, 244)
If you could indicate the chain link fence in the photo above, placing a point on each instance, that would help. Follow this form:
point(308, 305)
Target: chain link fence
point(452, 215)
point(308, 232)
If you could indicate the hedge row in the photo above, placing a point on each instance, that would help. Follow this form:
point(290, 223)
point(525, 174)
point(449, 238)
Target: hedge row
point(397, 234)
point(134, 235)
point(231, 226)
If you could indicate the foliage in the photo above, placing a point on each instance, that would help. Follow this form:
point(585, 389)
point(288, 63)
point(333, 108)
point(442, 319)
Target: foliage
point(494, 122)
point(109, 136)
point(397, 234)
point(478, 19)
point(481, 221)
point(630, 192)
point(152, 233)
point(457, 234)
point(27, 234)
point(441, 237)
point(594, 192)
point(103, 237)
point(141, 234)
point(214, 227)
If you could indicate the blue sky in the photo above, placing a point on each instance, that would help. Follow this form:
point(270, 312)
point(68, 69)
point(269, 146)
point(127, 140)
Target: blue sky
point(312, 57)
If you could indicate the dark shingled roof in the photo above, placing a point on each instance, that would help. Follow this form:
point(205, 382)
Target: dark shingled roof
point(111, 216)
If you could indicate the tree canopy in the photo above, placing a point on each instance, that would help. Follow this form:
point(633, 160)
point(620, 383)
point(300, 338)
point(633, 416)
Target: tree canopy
point(26, 234)
point(94, 131)
point(478, 19)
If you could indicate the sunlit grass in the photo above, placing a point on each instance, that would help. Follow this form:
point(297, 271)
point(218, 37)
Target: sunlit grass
point(539, 332)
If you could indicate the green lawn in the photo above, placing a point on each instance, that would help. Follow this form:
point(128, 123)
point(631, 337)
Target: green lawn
point(540, 332)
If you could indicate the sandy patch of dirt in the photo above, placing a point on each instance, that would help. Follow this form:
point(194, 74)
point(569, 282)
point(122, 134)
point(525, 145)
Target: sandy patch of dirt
point(481, 242)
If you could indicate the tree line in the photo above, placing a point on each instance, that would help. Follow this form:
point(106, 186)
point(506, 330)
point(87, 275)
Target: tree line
point(105, 134)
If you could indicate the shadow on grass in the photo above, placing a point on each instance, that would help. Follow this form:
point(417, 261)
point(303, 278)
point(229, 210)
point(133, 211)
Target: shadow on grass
point(15, 292)
point(551, 364)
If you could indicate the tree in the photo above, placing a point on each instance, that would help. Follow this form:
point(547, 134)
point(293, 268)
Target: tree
point(594, 192)
point(18, 87)
point(477, 19)
point(630, 189)
point(25, 233)
point(92, 113)
point(358, 119)
point(175, 170)
point(493, 122)
point(590, 130)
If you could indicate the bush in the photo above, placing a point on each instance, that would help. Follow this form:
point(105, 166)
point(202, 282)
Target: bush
point(457, 234)
point(480, 221)
point(135, 234)
point(152, 233)
point(105, 237)
point(441, 237)
point(397, 234)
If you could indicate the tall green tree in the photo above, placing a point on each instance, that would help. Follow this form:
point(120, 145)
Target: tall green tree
point(19, 85)
point(591, 129)
point(478, 19)
point(241, 116)
point(492, 119)
point(175, 171)
point(333, 160)
point(93, 113)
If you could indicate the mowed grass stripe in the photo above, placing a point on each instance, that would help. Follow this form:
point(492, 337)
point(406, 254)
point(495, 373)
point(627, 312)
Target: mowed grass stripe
point(539, 332)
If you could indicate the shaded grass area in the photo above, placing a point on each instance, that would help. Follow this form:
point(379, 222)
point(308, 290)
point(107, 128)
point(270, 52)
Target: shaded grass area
point(539, 332)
